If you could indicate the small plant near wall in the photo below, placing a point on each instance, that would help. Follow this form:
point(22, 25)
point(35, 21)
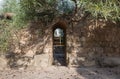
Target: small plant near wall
point(12, 19)
point(105, 9)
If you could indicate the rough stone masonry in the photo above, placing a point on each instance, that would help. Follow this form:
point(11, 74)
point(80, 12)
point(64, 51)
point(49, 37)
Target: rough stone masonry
point(87, 45)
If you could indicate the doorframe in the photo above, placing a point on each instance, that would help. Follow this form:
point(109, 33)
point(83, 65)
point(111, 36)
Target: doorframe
point(61, 25)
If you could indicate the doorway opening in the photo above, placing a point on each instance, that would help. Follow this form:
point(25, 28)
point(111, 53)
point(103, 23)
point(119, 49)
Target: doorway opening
point(59, 46)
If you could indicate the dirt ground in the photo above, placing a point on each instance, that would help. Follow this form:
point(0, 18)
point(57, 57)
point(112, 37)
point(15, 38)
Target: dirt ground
point(62, 73)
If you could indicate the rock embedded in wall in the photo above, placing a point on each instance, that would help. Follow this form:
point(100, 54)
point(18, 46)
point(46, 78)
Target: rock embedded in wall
point(89, 63)
point(3, 63)
point(30, 53)
point(41, 61)
point(110, 62)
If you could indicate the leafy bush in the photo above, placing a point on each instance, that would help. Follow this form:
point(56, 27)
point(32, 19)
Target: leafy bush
point(107, 9)
point(7, 27)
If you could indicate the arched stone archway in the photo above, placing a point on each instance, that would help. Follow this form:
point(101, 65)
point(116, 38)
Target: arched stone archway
point(59, 44)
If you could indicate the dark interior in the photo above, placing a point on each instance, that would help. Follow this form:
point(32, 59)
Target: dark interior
point(59, 47)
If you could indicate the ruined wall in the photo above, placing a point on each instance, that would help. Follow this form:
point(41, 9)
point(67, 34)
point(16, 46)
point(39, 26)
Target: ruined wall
point(87, 44)
point(94, 45)
point(30, 48)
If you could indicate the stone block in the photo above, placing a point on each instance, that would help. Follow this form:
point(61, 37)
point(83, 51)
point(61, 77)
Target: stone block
point(89, 63)
point(3, 63)
point(30, 53)
point(41, 61)
point(110, 62)
point(77, 60)
point(47, 50)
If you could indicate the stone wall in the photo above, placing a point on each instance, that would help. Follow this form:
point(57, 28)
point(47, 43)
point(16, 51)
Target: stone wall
point(30, 48)
point(87, 44)
point(94, 45)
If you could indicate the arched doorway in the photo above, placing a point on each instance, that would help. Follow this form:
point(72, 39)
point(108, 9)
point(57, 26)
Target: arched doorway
point(59, 45)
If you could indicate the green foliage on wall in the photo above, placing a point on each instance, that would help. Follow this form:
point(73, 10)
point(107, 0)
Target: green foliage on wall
point(4, 35)
point(107, 9)
point(7, 27)
point(47, 10)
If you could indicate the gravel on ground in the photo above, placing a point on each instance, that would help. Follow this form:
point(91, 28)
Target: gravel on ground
point(62, 73)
